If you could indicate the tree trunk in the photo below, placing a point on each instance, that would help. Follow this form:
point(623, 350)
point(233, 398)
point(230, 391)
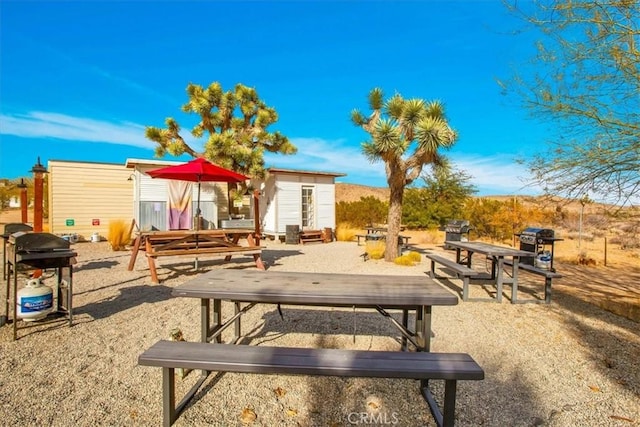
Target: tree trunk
point(393, 221)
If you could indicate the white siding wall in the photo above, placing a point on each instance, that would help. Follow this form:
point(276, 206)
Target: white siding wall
point(268, 207)
point(326, 203)
point(289, 197)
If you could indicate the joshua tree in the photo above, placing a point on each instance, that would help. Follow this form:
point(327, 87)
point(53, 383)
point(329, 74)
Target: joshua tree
point(235, 124)
point(406, 134)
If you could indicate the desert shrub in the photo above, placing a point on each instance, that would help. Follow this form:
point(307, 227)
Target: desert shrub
point(586, 237)
point(626, 241)
point(345, 232)
point(118, 235)
point(430, 236)
point(595, 221)
point(415, 256)
point(367, 210)
point(585, 259)
point(375, 249)
point(405, 260)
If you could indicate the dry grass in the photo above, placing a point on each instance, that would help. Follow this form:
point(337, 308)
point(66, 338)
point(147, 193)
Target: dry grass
point(410, 259)
point(375, 249)
point(345, 232)
point(119, 235)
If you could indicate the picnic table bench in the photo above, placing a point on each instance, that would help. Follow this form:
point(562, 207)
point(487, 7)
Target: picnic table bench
point(460, 271)
point(548, 278)
point(422, 366)
point(402, 240)
point(307, 236)
point(221, 243)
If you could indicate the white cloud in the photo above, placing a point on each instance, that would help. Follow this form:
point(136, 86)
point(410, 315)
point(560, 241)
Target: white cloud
point(330, 156)
point(497, 174)
point(38, 124)
point(492, 175)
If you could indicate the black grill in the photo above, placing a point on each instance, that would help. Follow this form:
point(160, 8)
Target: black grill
point(14, 227)
point(39, 250)
point(538, 241)
point(27, 250)
point(457, 230)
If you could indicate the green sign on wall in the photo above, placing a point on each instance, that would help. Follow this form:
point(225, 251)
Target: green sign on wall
point(69, 222)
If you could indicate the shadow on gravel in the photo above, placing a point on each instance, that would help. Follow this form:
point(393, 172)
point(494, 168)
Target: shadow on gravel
point(96, 265)
point(382, 401)
point(612, 354)
point(272, 257)
point(128, 298)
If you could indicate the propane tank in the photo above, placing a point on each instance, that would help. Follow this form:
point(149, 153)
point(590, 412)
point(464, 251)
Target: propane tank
point(35, 301)
point(543, 260)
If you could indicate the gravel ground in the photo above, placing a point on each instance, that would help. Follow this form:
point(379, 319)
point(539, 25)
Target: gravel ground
point(564, 364)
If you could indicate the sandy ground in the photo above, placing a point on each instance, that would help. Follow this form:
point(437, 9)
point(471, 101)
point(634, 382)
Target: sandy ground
point(568, 363)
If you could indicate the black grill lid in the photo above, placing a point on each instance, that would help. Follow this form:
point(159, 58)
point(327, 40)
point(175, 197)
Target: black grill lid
point(543, 233)
point(14, 227)
point(457, 226)
point(37, 242)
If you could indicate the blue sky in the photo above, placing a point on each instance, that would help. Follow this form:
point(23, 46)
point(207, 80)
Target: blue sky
point(80, 80)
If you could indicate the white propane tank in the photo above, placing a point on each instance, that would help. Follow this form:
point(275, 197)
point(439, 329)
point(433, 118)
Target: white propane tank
point(35, 301)
point(543, 260)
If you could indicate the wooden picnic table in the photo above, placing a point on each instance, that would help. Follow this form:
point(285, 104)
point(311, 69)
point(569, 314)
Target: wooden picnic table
point(219, 242)
point(251, 287)
point(376, 230)
point(497, 254)
point(418, 293)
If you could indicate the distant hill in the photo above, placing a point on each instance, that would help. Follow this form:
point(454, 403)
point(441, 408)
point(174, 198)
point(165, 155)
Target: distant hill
point(353, 192)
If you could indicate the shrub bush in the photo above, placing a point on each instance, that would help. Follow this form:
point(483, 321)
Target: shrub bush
point(375, 249)
point(119, 235)
point(345, 232)
point(404, 260)
point(415, 256)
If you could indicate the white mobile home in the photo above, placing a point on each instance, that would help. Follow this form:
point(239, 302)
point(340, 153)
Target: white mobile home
point(84, 197)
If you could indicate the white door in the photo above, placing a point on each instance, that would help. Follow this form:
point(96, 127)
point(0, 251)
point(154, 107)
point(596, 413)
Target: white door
point(308, 208)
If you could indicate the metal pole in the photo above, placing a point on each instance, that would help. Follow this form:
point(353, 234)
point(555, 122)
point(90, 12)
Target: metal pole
point(580, 229)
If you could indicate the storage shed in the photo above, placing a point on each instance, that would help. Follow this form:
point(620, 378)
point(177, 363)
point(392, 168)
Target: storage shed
point(306, 199)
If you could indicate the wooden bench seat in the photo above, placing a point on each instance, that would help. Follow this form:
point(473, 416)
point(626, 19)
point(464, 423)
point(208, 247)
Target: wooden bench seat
point(422, 366)
point(370, 236)
point(222, 251)
point(461, 271)
point(307, 236)
point(206, 243)
point(548, 278)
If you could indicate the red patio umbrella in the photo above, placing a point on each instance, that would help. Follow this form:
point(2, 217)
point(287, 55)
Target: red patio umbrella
point(198, 170)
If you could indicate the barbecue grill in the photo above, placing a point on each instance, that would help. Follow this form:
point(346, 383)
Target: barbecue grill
point(457, 230)
point(537, 241)
point(40, 251)
point(9, 229)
